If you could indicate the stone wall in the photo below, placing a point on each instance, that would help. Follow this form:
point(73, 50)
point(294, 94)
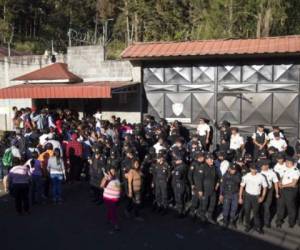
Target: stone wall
point(88, 62)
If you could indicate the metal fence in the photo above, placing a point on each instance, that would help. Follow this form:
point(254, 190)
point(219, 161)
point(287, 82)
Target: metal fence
point(245, 95)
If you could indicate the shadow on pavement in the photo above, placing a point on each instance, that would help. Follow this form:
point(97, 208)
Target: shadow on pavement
point(80, 224)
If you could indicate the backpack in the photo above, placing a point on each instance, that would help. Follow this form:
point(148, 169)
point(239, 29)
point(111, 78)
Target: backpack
point(7, 158)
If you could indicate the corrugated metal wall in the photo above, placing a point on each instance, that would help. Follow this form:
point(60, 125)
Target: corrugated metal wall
point(246, 95)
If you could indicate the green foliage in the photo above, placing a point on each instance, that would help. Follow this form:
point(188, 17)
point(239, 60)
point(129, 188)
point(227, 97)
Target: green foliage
point(31, 24)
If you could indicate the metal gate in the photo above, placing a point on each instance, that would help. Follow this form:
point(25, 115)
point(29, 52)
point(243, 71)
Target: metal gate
point(246, 95)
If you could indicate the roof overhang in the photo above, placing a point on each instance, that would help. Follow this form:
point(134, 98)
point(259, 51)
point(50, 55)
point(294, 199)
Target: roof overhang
point(60, 90)
point(229, 48)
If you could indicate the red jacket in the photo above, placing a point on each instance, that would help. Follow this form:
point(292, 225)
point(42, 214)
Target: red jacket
point(75, 146)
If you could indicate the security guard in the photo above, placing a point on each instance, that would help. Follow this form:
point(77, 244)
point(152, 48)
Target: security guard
point(195, 176)
point(208, 186)
point(272, 181)
point(255, 186)
point(288, 193)
point(161, 174)
point(260, 140)
point(229, 194)
point(113, 161)
point(179, 180)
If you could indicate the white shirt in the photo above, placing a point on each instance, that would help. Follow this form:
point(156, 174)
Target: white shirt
point(236, 141)
point(270, 176)
point(271, 136)
point(43, 137)
point(203, 129)
point(15, 152)
point(224, 167)
point(290, 175)
point(280, 144)
point(254, 183)
point(158, 147)
point(280, 169)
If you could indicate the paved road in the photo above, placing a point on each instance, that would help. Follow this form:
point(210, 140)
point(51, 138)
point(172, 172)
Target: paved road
point(79, 224)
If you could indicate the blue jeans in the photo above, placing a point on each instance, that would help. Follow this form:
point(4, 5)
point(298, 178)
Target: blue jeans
point(56, 180)
point(36, 188)
point(230, 206)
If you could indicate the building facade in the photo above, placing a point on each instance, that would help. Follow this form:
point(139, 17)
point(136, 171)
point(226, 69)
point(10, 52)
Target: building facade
point(247, 88)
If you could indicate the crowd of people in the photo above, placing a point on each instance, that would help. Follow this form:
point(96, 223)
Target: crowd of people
point(165, 165)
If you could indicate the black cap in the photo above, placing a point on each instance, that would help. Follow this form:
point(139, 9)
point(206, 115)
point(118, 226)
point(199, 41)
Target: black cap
point(280, 155)
point(291, 159)
point(199, 154)
point(233, 166)
point(209, 156)
point(221, 153)
point(264, 162)
point(252, 166)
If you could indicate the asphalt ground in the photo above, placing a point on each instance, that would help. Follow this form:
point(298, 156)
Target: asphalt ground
point(80, 224)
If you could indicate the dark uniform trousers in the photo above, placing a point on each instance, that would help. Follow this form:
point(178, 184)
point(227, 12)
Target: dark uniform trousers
point(287, 201)
point(202, 139)
point(251, 203)
point(208, 204)
point(267, 206)
point(161, 193)
point(230, 206)
point(179, 192)
point(196, 202)
point(21, 194)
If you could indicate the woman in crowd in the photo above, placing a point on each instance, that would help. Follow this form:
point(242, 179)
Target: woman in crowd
point(134, 178)
point(111, 195)
point(19, 178)
point(56, 169)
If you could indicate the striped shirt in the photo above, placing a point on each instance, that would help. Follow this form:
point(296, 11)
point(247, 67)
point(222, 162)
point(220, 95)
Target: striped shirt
point(112, 190)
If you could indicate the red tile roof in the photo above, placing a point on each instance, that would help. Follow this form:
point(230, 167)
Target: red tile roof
point(56, 91)
point(268, 45)
point(53, 72)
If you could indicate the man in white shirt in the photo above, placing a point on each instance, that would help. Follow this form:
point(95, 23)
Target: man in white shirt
point(272, 181)
point(280, 166)
point(255, 186)
point(236, 142)
point(289, 189)
point(276, 129)
point(160, 145)
point(223, 163)
point(278, 143)
point(203, 131)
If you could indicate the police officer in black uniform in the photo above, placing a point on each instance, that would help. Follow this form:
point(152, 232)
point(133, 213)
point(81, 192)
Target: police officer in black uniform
point(179, 181)
point(195, 176)
point(229, 195)
point(225, 134)
point(161, 173)
point(209, 184)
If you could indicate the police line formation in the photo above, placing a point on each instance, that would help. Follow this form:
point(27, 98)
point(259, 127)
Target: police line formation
point(163, 164)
